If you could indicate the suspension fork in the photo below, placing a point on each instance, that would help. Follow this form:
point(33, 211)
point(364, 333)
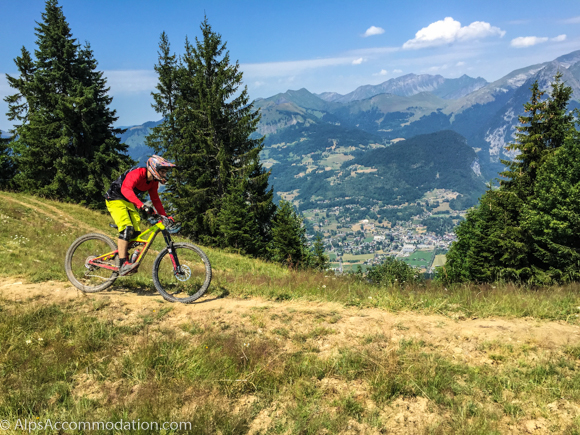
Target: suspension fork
point(172, 253)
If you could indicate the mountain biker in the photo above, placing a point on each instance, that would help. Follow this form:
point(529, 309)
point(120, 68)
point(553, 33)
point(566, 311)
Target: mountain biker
point(122, 202)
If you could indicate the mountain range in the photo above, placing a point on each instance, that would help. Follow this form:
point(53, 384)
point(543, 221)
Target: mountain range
point(411, 84)
point(317, 145)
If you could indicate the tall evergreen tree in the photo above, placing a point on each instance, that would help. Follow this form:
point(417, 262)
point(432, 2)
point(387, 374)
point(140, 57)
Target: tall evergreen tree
point(506, 236)
point(237, 227)
point(288, 245)
point(542, 130)
point(65, 144)
point(207, 131)
point(165, 135)
point(553, 215)
point(318, 259)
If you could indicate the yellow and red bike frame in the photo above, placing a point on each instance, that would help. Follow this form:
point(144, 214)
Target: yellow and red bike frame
point(145, 239)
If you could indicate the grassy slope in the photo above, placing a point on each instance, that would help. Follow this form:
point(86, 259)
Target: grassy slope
point(36, 233)
point(83, 360)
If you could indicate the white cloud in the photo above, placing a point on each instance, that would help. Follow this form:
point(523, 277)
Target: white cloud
point(371, 31)
point(383, 72)
point(397, 71)
point(449, 30)
point(131, 81)
point(527, 41)
point(288, 68)
point(460, 63)
point(375, 51)
point(358, 61)
point(438, 68)
point(573, 20)
point(287, 80)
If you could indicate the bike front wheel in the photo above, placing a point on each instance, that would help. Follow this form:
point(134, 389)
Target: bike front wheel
point(192, 279)
point(84, 275)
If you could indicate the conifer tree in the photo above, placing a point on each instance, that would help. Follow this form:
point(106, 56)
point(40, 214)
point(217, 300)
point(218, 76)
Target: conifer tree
point(319, 260)
point(541, 131)
point(553, 214)
point(512, 234)
point(207, 131)
point(65, 144)
point(288, 245)
point(237, 227)
point(553, 217)
point(491, 244)
point(165, 135)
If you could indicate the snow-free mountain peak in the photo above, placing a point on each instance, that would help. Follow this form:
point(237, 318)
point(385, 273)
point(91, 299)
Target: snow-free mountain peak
point(412, 84)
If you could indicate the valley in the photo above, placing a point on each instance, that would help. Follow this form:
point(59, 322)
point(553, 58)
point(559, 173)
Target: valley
point(418, 239)
point(394, 166)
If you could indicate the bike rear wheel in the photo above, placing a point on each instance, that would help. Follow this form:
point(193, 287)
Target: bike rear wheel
point(84, 276)
point(191, 283)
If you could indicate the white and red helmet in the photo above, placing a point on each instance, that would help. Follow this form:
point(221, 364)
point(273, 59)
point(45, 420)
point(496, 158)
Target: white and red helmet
point(155, 164)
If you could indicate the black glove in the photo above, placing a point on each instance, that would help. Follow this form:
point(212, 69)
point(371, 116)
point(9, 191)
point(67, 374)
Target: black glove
point(148, 210)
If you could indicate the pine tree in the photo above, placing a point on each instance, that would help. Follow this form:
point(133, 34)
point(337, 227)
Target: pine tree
point(540, 132)
point(506, 236)
point(66, 146)
point(237, 227)
point(319, 260)
point(553, 215)
point(207, 131)
point(520, 173)
point(165, 135)
point(491, 244)
point(288, 245)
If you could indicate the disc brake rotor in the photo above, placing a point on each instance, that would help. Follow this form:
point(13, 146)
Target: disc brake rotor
point(185, 273)
point(87, 264)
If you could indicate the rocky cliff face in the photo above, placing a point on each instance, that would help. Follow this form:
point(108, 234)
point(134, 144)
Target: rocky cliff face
point(501, 128)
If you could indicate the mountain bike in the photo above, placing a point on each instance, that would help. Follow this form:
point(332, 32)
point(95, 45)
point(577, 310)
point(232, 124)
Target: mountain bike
point(181, 271)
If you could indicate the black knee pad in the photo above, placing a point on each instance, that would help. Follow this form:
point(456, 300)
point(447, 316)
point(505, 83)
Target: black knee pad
point(127, 233)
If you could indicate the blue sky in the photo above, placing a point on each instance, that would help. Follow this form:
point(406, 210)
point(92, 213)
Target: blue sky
point(320, 45)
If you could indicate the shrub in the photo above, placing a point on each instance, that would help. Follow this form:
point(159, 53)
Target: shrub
point(393, 271)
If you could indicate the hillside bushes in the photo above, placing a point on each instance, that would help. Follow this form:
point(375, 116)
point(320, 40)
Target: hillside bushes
point(393, 271)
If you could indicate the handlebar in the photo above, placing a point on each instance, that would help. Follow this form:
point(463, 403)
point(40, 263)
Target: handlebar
point(171, 226)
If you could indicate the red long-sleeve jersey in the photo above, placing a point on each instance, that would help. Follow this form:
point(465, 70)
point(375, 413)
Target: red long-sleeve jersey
point(136, 181)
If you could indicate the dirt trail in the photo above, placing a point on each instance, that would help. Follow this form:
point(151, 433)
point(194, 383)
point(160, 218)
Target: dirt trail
point(459, 337)
point(340, 326)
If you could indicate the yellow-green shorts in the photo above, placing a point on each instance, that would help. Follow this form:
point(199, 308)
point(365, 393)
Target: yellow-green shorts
point(124, 214)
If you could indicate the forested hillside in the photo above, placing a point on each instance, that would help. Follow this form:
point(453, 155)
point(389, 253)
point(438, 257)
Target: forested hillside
point(373, 173)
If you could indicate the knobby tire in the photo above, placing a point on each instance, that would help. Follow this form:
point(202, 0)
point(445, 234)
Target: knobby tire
point(200, 275)
point(68, 266)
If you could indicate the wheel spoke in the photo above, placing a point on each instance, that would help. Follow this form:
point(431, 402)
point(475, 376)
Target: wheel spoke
point(83, 271)
point(194, 276)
